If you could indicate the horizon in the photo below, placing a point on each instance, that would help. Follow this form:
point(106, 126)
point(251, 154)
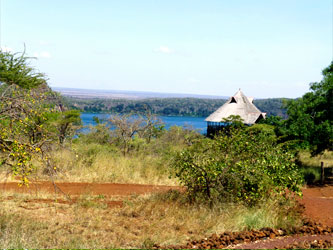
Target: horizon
point(268, 49)
point(190, 95)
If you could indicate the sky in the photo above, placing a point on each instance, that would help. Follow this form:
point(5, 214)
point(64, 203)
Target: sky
point(268, 48)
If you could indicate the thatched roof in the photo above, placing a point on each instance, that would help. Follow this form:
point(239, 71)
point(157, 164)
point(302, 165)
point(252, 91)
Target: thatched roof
point(240, 105)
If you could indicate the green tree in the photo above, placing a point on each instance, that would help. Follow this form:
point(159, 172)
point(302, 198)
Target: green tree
point(14, 70)
point(310, 118)
point(67, 122)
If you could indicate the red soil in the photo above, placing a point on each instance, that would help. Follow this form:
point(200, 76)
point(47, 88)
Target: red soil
point(318, 202)
point(286, 242)
point(106, 189)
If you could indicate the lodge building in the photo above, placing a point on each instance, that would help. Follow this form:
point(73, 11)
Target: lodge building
point(239, 105)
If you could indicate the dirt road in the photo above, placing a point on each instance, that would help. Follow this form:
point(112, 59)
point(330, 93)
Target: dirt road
point(318, 203)
point(74, 189)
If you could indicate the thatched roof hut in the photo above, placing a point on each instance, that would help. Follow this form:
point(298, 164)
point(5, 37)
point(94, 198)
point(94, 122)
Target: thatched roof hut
point(239, 105)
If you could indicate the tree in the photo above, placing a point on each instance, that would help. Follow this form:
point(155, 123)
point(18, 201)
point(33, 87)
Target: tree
point(14, 70)
point(66, 123)
point(151, 126)
point(126, 127)
point(310, 118)
point(245, 165)
point(27, 104)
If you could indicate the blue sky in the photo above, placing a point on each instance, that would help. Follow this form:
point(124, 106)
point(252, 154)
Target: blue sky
point(269, 48)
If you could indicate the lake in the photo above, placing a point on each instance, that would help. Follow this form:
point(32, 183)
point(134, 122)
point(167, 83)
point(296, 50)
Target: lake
point(197, 123)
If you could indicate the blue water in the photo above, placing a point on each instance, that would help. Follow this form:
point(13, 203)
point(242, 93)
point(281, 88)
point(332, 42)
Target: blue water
point(197, 123)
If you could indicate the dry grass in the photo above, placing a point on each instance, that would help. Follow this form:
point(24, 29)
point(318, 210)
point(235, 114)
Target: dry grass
point(140, 223)
point(88, 159)
point(103, 166)
point(107, 166)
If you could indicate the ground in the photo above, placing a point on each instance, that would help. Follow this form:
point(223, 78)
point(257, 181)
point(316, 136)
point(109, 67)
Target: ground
point(317, 201)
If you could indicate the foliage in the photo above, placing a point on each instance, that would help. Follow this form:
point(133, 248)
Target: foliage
point(244, 166)
point(14, 70)
point(27, 105)
point(234, 121)
point(100, 134)
point(272, 106)
point(126, 132)
point(311, 117)
point(66, 124)
point(277, 123)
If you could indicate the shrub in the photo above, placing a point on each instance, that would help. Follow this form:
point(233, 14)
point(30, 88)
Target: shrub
point(243, 166)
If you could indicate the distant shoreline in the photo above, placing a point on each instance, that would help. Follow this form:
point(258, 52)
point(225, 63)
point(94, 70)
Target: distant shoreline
point(112, 113)
point(125, 94)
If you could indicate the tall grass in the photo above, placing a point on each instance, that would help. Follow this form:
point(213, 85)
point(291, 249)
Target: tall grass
point(98, 163)
point(96, 158)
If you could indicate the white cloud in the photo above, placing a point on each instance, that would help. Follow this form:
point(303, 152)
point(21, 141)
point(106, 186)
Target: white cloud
point(164, 50)
point(43, 54)
point(6, 49)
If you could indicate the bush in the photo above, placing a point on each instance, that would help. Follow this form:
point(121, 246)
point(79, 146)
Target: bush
point(243, 166)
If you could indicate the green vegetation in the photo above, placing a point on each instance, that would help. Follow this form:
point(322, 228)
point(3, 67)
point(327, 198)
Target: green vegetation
point(242, 164)
point(168, 106)
point(310, 118)
point(31, 117)
point(308, 130)
point(272, 106)
point(99, 156)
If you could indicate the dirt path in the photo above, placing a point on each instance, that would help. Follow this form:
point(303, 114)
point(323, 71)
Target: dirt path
point(318, 202)
point(106, 189)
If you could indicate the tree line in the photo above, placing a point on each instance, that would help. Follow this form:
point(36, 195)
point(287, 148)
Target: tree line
point(195, 107)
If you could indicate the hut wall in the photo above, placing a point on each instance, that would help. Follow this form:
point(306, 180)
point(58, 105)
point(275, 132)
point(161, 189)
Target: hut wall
point(214, 127)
